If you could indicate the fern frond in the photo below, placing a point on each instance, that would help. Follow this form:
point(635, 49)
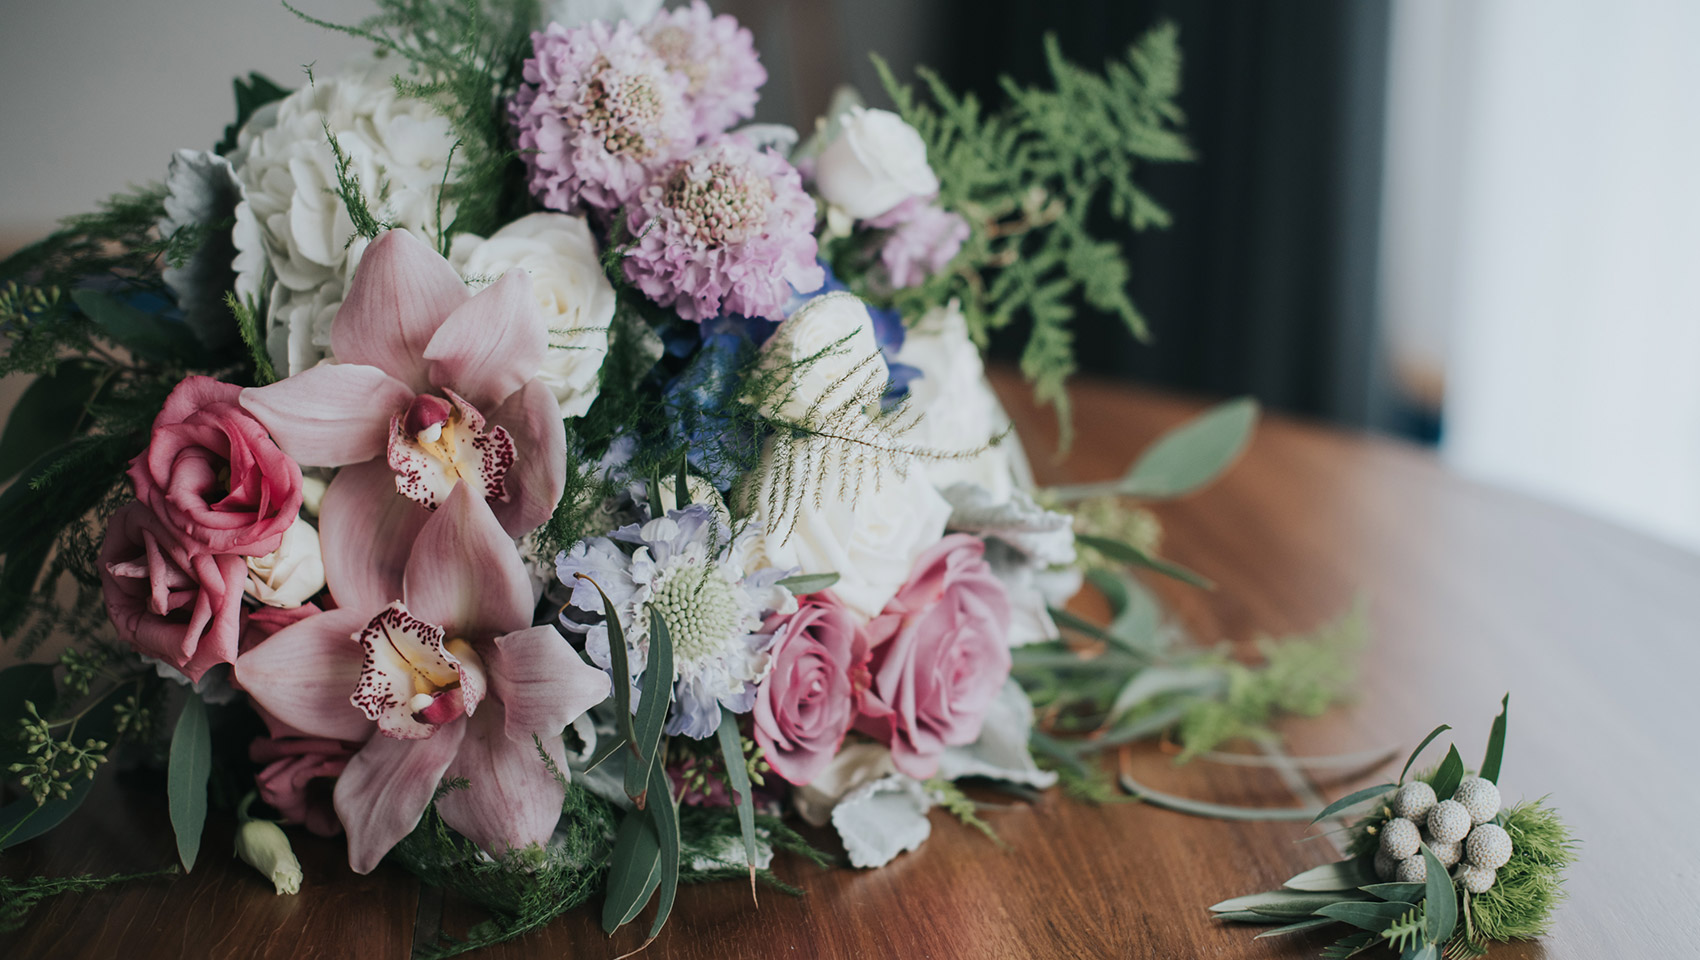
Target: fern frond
point(1407, 932)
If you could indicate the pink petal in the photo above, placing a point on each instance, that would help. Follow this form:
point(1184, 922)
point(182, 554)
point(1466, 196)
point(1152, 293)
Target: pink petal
point(465, 572)
point(386, 788)
point(511, 800)
point(366, 531)
point(303, 675)
point(491, 345)
point(330, 415)
point(401, 293)
point(396, 646)
point(539, 472)
point(541, 682)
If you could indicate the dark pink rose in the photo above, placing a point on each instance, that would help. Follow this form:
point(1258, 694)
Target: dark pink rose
point(298, 777)
point(214, 475)
point(170, 604)
point(940, 654)
point(807, 703)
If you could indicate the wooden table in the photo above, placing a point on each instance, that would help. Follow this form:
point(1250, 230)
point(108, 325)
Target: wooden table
point(1472, 592)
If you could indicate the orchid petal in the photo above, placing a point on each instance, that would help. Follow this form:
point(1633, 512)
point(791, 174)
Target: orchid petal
point(541, 682)
point(303, 674)
point(512, 799)
point(465, 572)
point(534, 483)
point(386, 788)
point(463, 451)
point(401, 293)
point(492, 344)
point(403, 654)
point(366, 532)
point(329, 415)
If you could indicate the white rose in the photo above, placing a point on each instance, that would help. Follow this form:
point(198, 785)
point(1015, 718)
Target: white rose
point(577, 300)
point(875, 163)
point(869, 534)
point(292, 231)
point(291, 574)
point(821, 356)
point(958, 409)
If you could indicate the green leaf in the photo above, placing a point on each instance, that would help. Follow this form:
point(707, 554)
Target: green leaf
point(655, 695)
point(251, 95)
point(1342, 875)
point(738, 776)
point(621, 666)
point(1193, 454)
point(1376, 915)
point(1156, 681)
point(1437, 731)
point(144, 334)
point(1440, 904)
point(1449, 776)
point(665, 811)
point(1293, 903)
point(47, 415)
point(1427, 951)
point(1135, 557)
point(1114, 587)
point(808, 582)
point(1496, 744)
point(1408, 892)
point(22, 820)
point(682, 485)
point(186, 779)
point(1355, 798)
point(1298, 927)
point(634, 869)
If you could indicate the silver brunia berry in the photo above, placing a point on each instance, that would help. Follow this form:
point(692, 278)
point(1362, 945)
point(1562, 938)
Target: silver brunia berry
point(1400, 838)
point(1488, 847)
point(1413, 801)
point(1480, 797)
point(1449, 822)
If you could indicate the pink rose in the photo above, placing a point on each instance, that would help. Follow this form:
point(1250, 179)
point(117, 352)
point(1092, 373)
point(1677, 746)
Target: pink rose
point(940, 654)
point(298, 777)
point(167, 602)
point(807, 703)
point(213, 474)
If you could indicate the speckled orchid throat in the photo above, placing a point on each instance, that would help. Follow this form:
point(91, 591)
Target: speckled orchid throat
point(414, 679)
point(436, 443)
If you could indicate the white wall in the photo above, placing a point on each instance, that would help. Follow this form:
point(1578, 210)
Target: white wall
point(96, 94)
point(1543, 227)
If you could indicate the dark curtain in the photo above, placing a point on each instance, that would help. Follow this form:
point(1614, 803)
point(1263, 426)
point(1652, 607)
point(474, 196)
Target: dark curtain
point(1266, 282)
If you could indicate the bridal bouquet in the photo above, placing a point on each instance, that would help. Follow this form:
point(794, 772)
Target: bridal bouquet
point(503, 455)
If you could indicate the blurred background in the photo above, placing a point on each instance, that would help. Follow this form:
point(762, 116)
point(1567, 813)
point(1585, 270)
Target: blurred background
point(1470, 223)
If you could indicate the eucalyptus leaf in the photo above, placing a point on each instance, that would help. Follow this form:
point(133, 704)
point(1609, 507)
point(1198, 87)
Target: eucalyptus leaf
point(1250, 916)
point(1193, 454)
point(655, 695)
point(1449, 776)
point(144, 334)
point(809, 582)
point(1133, 556)
point(634, 869)
point(22, 820)
point(1374, 915)
point(1113, 585)
point(621, 665)
point(1408, 892)
point(682, 485)
point(738, 777)
point(1139, 623)
point(1156, 681)
point(1287, 902)
point(1440, 905)
point(1496, 744)
point(1427, 951)
point(1437, 731)
point(1298, 927)
point(46, 415)
point(1204, 808)
point(1354, 798)
point(1342, 875)
point(665, 811)
point(186, 778)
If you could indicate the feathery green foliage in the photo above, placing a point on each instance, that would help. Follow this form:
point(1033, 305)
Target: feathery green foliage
point(1033, 180)
point(962, 807)
point(1529, 887)
point(18, 896)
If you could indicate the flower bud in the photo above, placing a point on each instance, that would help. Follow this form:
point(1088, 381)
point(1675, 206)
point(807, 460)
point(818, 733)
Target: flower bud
point(262, 845)
point(291, 574)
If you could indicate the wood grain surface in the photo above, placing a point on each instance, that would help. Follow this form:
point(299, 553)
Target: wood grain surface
point(1472, 592)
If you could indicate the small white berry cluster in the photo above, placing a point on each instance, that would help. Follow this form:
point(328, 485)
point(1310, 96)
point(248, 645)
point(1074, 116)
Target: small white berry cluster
point(1457, 831)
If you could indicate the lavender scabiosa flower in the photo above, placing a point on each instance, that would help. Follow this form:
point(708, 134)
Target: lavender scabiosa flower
point(598, 114)
point(688, 566)
point(718, 59)
point(924, 239)
point(726, 229)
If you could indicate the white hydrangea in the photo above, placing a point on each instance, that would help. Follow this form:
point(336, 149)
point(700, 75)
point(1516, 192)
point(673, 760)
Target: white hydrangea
point(576, 299)
point(293, 235)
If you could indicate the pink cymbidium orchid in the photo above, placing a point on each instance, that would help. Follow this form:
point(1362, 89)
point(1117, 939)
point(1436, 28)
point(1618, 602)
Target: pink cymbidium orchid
point(446, 679)
point(432, 388)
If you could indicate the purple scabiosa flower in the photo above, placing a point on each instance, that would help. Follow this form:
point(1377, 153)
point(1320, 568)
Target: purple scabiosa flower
point(598, 114)
point(689, 566)
point(924, 239)
point(718, 59)
point(727, 228)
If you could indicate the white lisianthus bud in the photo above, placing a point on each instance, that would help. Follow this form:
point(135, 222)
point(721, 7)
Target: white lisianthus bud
point(876, 162)
point(822, 355)
point(262, 845)
point(291, 574)
point(312, 494)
